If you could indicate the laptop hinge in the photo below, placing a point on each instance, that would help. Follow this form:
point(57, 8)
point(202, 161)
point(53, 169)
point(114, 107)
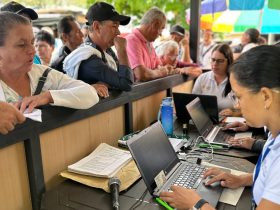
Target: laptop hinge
point(211, 136)
point(170, 174)
point(173, 170)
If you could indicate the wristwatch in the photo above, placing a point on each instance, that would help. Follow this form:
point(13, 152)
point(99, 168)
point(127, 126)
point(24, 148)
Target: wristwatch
point(199, 204)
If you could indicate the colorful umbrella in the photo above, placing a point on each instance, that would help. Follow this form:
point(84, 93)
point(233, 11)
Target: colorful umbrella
point(266, 20)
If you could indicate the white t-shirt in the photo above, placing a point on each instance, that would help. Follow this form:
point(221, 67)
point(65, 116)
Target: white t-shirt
point(267, 185)
point(205, 55)
point(64, 90)
point(207, 85)
point(248, 47)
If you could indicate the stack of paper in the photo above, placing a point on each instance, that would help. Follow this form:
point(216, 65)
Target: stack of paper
point(104, 161)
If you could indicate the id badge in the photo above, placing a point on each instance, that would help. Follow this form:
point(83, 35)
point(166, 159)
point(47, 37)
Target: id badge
point(253, 206)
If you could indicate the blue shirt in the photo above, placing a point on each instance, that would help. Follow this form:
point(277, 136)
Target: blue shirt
point(36, 60)
point(96, 69)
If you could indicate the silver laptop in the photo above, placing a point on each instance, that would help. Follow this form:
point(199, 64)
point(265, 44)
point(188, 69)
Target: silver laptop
point(212, 133)
point(161, 168)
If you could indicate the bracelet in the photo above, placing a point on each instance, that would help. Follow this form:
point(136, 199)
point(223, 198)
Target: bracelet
point(199, 204)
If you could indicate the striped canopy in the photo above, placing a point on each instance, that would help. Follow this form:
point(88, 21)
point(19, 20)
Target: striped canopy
point(240, 15)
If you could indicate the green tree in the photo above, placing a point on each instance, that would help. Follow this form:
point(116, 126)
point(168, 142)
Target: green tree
point(139, 7)
point(129, 7)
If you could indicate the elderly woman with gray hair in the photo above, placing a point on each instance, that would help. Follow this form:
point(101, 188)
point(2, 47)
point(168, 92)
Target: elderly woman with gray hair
point(168, 53)
point(20, 78)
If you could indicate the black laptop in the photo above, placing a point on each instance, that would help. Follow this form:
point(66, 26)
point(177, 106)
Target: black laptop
point(212, 133)
point(209, 103)
point(160, 167)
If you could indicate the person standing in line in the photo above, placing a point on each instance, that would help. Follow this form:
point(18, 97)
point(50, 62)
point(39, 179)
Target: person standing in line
point(179, 35)
point(141, 53)
point(94, 62)
point(10, 116)
point(205, 49)
point(29, 13)
point(71, 36)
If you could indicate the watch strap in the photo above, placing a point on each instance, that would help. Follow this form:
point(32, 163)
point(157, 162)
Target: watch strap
point(200, 203)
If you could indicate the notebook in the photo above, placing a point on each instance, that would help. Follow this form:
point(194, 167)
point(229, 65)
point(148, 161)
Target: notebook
point(209, 103)
point(212, 133)
point(160, 166)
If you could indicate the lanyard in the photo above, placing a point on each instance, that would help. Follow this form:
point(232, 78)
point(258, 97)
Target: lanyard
point(258, 167)
point(260, 160)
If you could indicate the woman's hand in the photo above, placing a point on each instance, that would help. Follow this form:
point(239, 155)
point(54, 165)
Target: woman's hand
point(226, 179)
point(180, 197)
point(101, 89)
point(230, 112)
point(246, 142)
point(29, 103)
point(226, 112)
point(10, 116)
point(191, 71)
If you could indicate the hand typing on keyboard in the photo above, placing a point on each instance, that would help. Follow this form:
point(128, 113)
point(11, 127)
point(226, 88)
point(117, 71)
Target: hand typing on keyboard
point(180, 197)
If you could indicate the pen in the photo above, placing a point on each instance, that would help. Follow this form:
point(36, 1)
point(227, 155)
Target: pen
point(164, 204)
point(208, 146)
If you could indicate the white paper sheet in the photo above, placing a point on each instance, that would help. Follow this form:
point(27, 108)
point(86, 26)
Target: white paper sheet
point(235, 119)
point(242, 135)
point(35, 115)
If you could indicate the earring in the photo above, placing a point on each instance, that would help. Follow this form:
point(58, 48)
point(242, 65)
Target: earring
point(265, 107)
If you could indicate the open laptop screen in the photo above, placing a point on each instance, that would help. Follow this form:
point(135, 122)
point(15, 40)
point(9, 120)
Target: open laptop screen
point(208, 102)
point(200, 118)
point(152, 153)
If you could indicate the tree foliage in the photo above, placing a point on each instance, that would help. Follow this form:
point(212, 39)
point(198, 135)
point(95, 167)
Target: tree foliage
point(139, 7)
point(134, 8)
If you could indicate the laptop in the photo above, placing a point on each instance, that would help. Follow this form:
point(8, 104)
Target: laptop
point(212, 133)
point(209, 103)
point(160, 166)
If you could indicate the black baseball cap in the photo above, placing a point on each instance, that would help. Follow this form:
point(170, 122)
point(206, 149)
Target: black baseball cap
point(178, 30)
point(19, 9)
point(101, 11)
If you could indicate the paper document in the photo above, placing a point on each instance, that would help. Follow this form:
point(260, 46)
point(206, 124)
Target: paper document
point(242, 135)
point(229, 196)
point(235, 119)
point(35, 115)
point(175, 142)
point(104, 161)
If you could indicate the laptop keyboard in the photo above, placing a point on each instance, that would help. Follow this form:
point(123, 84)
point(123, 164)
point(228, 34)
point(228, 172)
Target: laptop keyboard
point(190, 176)
point(222, 137)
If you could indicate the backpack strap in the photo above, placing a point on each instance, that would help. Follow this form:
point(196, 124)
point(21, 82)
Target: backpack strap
point(208, 50)
point(42, 81)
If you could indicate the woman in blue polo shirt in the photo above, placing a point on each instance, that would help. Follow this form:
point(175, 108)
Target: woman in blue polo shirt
point(255, 79)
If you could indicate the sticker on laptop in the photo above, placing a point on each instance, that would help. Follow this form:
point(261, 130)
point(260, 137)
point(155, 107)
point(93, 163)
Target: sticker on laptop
point(160, 179)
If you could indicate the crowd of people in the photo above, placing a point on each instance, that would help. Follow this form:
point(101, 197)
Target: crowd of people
point(86, 68)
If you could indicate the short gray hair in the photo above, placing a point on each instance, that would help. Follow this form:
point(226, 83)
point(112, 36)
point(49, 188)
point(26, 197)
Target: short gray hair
point(9, 20)
point(165, 46)
point(151, 15)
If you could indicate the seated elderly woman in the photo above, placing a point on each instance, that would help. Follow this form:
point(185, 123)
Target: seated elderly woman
point(19, 77)
point(168, 52)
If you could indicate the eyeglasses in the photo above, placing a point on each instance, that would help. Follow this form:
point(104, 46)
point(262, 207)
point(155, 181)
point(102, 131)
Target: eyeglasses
point(218, 61)
point(234, 99)
point(276, 90)
point(173, 57)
